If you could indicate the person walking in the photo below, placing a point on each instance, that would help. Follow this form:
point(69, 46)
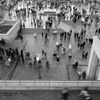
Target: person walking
point(45, 55)
point(79, 75)
point(22, 56)
point(23, 25)
point(47, 65)
point(85, 94)
point(17, 52)
point(30, 62)
point(35, 63)
point(43, 52)
point(42, 34)
point(75, 65)
point(65, 94)
point(39, 69)
point(84, 75)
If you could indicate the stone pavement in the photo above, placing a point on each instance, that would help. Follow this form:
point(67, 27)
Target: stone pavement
point(45, 95)
point(58, 71)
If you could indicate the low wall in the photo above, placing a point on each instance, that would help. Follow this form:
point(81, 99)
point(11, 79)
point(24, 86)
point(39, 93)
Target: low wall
point(12, 33)
point(4, 36)
point(44, 85)
point(64, 26)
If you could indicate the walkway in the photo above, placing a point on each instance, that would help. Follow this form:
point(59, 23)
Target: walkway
point(44, 95)
point(58, 71)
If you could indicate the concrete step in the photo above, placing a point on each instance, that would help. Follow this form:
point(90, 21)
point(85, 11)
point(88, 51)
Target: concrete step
point(12, 70)
point(4, 75)
point(3, 62)
point(2, 69)
point(3, 72)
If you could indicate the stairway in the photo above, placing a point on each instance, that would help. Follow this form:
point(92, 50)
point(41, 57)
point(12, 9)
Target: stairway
point(5, 71)
point(2, 69)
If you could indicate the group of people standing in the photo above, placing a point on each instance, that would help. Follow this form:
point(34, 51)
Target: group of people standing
point(10, 53)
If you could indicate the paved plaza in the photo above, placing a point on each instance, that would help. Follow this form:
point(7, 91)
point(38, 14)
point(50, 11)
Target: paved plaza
point(59, 71)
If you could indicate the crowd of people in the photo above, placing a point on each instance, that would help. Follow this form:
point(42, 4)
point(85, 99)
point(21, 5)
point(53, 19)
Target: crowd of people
point(81, 38)
point(10, 54)
point(65, 10)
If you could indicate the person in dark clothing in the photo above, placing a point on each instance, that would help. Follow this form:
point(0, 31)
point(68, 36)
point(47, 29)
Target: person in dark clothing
point(65, 36)
point(27, 54)
point(96, 32)
point(54, 54)
point(6, 52)
point(45, 55)
point(35, 62)
point(1, 58)
point(10, 51)
point(39, 77)
point(3, 51)
point(75, 65)
point(23, 25)
point(22, 56)
point(39, 68)
point(58, 47)
point(30, 62)
point(65, 94)
point(84, 94)
point(42, 34)
point(79, 75)
point(39, 64)
point(84, 75)
point(47, 65)
point(12, 54)
point(43, 52)
point(46, 35)
point(57, 58)
point(17, 52)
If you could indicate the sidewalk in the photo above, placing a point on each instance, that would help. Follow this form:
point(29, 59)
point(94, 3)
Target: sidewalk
point(44, 95)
